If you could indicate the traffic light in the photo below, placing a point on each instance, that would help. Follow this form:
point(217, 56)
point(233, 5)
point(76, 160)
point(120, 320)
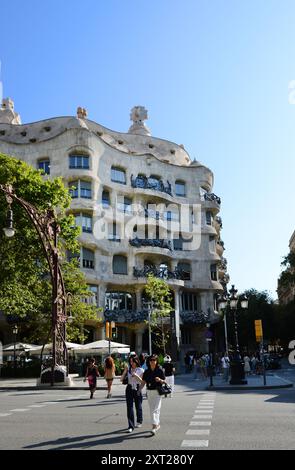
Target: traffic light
point(113, 330)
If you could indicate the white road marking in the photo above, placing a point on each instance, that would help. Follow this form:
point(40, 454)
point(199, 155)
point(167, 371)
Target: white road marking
point(36, 406)
point(202, 416)
point(186, 443)
point(16, 410)
point(198, 432)
point(5, 414)
point(200, 423)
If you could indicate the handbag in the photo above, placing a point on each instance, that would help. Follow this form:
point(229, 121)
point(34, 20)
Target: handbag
point(164, 389)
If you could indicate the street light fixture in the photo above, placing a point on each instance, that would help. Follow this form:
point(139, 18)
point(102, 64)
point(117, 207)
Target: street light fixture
point(48, 229)
point(236, 363)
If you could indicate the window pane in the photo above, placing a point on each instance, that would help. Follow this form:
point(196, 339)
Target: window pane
point(79, 161)
point(179, 188)
point(86, 223)
point(74, 192)
point(105, 199)
point(85, 189)
point(119, 264)
point(118, 175)
point(45, 166)
point(88, 258)
point(209, 218)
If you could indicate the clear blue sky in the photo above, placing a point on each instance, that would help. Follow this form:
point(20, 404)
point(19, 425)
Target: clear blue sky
point(214, 76)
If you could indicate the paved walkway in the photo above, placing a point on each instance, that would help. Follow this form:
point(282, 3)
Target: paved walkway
point(255, 382)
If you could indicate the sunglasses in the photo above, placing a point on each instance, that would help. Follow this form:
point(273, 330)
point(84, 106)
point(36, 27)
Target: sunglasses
point(153, 360)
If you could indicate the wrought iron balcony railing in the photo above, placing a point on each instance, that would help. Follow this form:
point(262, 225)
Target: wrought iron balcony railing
point(212, 198)
point(195, 317)
point(139, 242)
point(128, 316)
point(141, 181)
point(159, 272)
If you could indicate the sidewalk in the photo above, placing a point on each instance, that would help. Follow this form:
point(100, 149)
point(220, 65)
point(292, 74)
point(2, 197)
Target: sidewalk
point(255, 382)
point(30, 384)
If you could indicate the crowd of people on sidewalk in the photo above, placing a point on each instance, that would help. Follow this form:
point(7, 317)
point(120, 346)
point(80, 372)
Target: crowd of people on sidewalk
point(140, 372)
point(200, 363)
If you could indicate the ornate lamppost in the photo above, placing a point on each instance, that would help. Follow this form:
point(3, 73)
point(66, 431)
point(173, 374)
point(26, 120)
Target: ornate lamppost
point(231, 300)
point(48, 229)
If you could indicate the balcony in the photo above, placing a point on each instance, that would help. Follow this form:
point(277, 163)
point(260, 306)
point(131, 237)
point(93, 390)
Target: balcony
point(126, 316)
point(211, 197)
point(143, 182)
point(140, 242)
point(196, 318)
point(160, 272)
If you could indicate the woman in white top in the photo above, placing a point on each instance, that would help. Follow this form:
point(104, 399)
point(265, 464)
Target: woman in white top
point(133, 392)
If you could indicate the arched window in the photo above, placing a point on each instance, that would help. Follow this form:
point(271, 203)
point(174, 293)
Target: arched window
point(87, 258)
point(120, 264)
point(79, 161)
point(118, 175)
point(44, 165)
point(185, 269)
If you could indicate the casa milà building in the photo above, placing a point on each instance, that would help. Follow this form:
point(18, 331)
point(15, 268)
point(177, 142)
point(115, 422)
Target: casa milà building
point(144, 207)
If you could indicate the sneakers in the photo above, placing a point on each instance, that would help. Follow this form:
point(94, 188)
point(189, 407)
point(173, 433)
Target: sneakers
point(130, 430)
point(156, 429)
point(138, 425)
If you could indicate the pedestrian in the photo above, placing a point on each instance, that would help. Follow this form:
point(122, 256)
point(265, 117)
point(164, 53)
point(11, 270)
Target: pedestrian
point(142, 360)
point(225, 363)
point(169, 370)
point(152, 377)
point(109, 374)
point(133, 392)
point(247, 367)
point(91, 375)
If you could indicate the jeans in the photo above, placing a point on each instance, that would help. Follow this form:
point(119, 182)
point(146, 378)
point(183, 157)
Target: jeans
point(133, 397)
point(225, 374)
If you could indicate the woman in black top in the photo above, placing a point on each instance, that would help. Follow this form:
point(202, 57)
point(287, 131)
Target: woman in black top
point(152, 377)
point(91, 374)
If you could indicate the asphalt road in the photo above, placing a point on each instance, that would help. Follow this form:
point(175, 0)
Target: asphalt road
point(193, 419)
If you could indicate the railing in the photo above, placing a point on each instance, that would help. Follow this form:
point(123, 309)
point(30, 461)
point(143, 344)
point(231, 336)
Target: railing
point(219, 221)
point(212, 198)
point(195, 317)
point(223, 264)
point(128, 316)
point(147, 183)
point(139, 242)
point(159, 272)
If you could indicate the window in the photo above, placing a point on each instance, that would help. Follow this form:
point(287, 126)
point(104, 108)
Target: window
point(80, 189)
point(93, 300)
point(124, 205)
point(189, 302)
point(213, 270)
point(212, 246)
point(118, 175)
point(180, 188)
point(114, 232)
point(120, 264)
point(44, 165)
point(88, 258)
point(79, 162)
point(209, 218)
point(105, 199)
point(185, 269)
point(84, 221)
point(186, 336)
point(118, 301)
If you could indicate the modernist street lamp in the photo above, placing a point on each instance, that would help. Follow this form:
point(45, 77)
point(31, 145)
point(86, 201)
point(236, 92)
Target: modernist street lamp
point(236, 364)
point(48, 229)
point(15, 332)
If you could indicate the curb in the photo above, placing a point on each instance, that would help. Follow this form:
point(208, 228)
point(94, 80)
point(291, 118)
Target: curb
point(28, 388)
point(258, 387)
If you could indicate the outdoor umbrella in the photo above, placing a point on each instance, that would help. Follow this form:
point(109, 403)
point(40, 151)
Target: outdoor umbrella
point(102, 347)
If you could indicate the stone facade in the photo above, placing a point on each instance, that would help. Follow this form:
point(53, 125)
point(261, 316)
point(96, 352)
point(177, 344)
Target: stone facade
point(130, 191)
point(286, 294)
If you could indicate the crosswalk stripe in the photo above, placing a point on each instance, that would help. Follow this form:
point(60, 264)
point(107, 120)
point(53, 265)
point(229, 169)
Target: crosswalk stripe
point(202, 416)
point(198, 432)
point(5, 414)
point(200, 423)
point(16, 410)
point(196, 443)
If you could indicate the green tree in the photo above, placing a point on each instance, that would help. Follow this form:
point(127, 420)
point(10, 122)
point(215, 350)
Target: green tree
point(25, 287)
point(158, 294)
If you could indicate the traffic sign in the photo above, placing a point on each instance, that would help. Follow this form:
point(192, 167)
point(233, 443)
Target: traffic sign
point(258, 330)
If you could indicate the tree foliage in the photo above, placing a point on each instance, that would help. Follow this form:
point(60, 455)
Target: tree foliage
point(158, 294)
point(25, 287)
